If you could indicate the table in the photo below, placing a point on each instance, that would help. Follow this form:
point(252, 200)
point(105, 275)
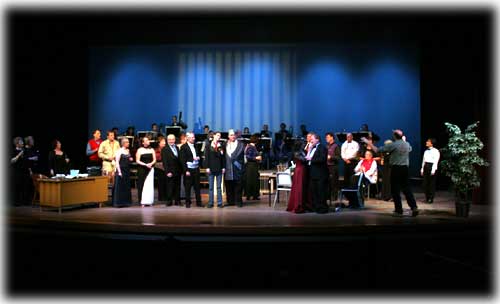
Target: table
point(65, 192)
point(269, 176)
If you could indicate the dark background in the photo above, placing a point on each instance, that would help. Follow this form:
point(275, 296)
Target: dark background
point(47, 58)
point(47, 81)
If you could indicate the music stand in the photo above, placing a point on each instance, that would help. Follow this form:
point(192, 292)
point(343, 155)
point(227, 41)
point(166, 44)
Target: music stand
point(341, 136)
point(175, 130)
point(356, 136)
point(142, 134)
point(266, 143)
point(246, 136)
point(224, 135)
point(200, 137)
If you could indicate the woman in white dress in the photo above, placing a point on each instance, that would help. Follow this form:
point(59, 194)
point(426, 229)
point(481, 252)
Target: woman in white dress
point(145, 158)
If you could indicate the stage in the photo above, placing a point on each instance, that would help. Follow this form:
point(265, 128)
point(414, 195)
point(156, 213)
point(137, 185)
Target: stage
point(173, 250)
point(255, 218)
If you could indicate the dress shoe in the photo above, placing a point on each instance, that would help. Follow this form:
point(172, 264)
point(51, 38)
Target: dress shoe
point(248, 198)
point(397, 214)
point(168, 204)
point(210, 206)
point(414, 212)
point(199, 205)
point(188, 205)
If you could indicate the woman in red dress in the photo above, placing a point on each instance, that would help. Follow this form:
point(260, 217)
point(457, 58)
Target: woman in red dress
point(299, 196)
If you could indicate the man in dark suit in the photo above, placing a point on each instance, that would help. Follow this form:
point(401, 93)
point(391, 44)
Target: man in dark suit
point(173, 169)
point(190, 160)
point(333, 159)
point(318, 174)
point(235, 166)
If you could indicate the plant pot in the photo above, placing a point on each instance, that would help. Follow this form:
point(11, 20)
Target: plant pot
point(462, 208)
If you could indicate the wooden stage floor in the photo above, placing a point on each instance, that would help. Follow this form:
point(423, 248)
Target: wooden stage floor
point(165, 250)
point(255, 218)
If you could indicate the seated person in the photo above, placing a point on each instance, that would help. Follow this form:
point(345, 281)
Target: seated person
point(265, 131)
point(174, 122)
point(155, 132)
point(284, 133)
point(178, 123)
point(130, 131)
point(206, 129)
point(303, 130)
point(374, 137)
point(368, 166)
point(115, 130)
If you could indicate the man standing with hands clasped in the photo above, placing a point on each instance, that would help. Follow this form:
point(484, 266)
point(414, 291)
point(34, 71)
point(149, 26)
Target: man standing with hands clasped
point(429, 168)
point(190, 160)
point(235, 153)
point(173, 169)
point(399, 162)
point(349, 153)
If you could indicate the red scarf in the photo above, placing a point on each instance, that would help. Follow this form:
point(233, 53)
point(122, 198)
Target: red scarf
point(367, 164)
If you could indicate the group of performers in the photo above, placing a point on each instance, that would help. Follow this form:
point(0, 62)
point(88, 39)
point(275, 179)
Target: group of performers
point(175, 163)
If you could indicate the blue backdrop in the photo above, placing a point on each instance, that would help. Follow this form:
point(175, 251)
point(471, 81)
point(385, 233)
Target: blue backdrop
point(328, 88)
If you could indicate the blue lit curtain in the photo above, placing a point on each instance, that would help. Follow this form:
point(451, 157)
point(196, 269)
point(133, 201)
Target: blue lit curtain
point(237, 87)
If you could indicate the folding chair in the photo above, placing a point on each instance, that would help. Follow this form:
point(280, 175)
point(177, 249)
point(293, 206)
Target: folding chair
point(284, 183)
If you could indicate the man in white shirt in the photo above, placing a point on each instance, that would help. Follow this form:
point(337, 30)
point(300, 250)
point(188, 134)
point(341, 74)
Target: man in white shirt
point(349, 153)
point(429, 168)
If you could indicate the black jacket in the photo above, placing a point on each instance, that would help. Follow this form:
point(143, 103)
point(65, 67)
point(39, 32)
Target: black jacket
point(215, 159)
point(171, 163)
point(318, 168)
point(187, 156)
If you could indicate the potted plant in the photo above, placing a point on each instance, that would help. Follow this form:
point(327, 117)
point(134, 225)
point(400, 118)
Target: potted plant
point(460, 162)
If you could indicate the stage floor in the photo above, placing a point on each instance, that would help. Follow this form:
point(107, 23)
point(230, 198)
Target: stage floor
point(255, 218)
point(256, 248)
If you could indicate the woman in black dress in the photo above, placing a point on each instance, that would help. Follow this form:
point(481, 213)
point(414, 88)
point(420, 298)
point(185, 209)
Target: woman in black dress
point(122, 196)
point(159, 171)
point(252, 183)
point(20, 174)
point(58, 160)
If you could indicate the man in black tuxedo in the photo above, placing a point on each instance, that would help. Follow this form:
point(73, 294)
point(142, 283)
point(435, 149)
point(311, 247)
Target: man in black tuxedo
point(318, 174)
point(190, 159)
point(235, 167)
point(173, 169)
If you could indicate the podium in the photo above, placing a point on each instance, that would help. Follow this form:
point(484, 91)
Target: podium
point(175, 130)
